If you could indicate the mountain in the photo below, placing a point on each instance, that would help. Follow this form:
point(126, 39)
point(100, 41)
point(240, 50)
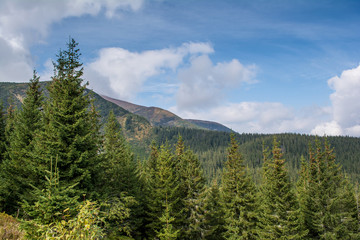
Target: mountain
point(135, 127)
point(141, 125)
point(214, 126)
point(160, 117)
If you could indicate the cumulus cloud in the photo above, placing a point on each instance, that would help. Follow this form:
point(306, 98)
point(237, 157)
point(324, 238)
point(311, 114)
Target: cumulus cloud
point(345, 105)
point(23, 23)
point(260, 117)
point(121, 73)
point(328, 128)
point(202, 84)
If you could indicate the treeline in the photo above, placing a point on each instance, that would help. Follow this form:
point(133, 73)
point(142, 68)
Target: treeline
point(211, 147)
point(63, 178)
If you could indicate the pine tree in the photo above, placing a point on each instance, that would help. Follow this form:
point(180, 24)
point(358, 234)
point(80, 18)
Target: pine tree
point(279, 209)
point(69, 124)
point(238, 196)
point(327, 200)
point(18, 168)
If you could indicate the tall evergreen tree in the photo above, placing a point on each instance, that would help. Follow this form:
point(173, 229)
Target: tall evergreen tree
point(167, 232)
point(279, 209)
point(69, 124)
point(214, 221)
point(164, 193)
point(2, 132)
point(327, 200)
point(117, 178)
point(192, 185)
point(238, 196)
point(5, 185)
point(18, 168)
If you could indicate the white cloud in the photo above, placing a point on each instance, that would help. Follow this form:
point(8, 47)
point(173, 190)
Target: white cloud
point(259, 117)
point(121, 73)
point(202, 84)
point(23, 23)
point(345, 105)
point(327, 129)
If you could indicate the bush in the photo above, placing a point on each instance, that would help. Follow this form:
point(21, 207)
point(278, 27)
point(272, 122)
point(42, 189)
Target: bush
point(85, 225)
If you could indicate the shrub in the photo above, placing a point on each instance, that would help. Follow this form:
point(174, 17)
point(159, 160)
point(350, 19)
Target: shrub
point(10, 228)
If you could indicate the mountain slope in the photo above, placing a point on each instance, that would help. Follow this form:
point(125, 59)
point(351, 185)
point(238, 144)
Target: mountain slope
point(160, 117)
point(214, 126)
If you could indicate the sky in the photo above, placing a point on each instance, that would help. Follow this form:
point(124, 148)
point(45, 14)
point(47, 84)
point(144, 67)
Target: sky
point(256, 66)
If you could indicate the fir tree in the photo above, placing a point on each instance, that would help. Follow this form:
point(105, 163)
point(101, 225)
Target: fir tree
point(69, 124)
point(19, 168)
point(279, 208)
point(238, 196)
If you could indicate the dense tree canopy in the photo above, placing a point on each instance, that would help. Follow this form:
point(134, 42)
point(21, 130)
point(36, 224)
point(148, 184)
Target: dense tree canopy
point(63, 174)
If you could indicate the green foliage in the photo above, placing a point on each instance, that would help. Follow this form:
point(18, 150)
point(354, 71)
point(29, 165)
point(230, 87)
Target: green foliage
point(118, 216)
point(85, 225)
point(69, 124)
point(162, 187)
point(2, 133)
point(279, 211)
point(327, 199)
point(54, 203)
point(18, 168)
point(192, 190)
point(214, 219)
point(10, 228)
point(238, 196)
point(118, 184)
point(167, 232)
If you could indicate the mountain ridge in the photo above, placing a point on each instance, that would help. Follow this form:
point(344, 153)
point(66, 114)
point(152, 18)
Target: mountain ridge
point(161, 117)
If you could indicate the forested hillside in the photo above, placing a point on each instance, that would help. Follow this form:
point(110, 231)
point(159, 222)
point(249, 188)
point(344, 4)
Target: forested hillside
point(74, 166)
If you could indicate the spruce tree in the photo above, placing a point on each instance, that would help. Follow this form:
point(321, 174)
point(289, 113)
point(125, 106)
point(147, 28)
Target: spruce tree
point(69, 124)
point(18, 168)
point(164, 188)
point(279, 211)
point(55, 202)
point(117, 179)
point(5, 185)
point(193, 192)
point(327, 200)
point(238, 197)
point(214, 221)
point(2, 133)
point(167, 232)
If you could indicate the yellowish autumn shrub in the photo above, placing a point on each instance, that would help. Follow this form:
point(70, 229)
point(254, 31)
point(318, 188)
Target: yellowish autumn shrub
point(10, 228)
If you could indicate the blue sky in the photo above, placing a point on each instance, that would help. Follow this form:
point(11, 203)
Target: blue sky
point(255, 66)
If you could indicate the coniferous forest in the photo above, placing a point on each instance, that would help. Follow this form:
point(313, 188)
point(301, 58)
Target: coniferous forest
point(66, 174)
